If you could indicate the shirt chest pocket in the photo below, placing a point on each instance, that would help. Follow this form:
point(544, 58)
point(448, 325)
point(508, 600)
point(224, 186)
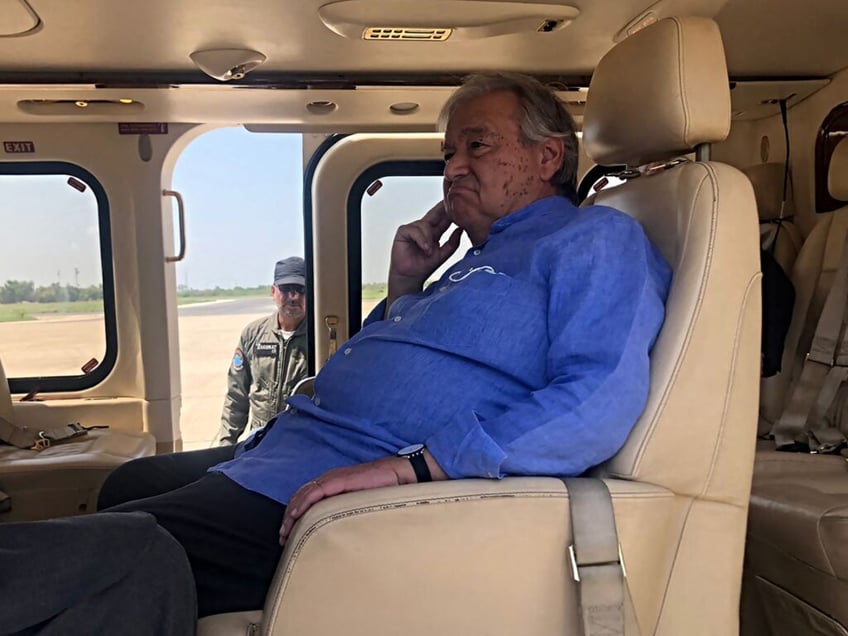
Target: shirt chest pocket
point(263, 365)
point(481, 308)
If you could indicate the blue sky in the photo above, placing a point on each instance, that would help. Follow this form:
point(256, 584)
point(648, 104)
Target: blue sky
point(244, 199)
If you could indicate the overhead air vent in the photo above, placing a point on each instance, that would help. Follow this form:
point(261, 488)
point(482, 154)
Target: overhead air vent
point(443, 20)
point(431, 34)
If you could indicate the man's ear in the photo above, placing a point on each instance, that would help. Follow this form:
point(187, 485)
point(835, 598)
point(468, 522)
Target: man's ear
point(273, 289)
point(552, 152)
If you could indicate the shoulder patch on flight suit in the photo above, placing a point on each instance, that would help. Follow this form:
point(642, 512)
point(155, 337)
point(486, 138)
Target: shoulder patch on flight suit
point(238, 360)
point(266, 349)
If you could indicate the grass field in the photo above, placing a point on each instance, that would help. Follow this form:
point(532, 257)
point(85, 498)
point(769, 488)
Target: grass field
point(30, 311)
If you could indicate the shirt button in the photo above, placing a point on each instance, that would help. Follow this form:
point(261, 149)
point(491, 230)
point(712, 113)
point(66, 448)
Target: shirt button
point(396, 318)
point(441, 289)
point(316, 401)
point(347, 351)
point(476, 252)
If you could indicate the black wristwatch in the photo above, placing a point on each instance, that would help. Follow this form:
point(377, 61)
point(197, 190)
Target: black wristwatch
point(415, 455)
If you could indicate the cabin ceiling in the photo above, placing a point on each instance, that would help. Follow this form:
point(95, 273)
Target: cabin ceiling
point(82, 46)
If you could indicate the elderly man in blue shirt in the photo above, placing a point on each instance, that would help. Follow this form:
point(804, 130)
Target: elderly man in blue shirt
point(530, 356)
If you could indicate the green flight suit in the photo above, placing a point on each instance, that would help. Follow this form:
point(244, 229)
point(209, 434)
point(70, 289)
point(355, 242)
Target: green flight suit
point(264, 370)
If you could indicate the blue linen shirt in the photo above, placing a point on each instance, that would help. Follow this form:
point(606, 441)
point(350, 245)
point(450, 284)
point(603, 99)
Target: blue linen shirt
point(528, 357)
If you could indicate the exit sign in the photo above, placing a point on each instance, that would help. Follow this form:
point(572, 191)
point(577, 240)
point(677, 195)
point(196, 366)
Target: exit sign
point(17, 147)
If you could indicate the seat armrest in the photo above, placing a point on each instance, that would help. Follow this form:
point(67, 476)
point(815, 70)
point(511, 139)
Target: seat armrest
point(457, 557)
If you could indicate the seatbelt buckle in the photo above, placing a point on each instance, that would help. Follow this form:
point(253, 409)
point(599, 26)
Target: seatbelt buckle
point(42, 442)
point(575, 569)
point(813, 356)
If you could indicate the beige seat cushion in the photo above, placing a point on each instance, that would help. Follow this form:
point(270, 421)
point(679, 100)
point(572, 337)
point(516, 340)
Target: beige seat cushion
point(798, 541)
point(232, 624)
point(64, 479)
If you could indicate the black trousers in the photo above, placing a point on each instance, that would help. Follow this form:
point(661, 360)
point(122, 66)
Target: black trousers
point(230, 534)
point(94, 574)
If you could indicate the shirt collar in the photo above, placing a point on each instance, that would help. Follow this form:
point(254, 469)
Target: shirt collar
point(533, 210)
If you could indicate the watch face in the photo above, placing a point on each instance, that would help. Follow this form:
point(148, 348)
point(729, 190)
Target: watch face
point(409, 450)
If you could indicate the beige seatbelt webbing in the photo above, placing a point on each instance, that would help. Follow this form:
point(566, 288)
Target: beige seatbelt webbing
point(802, 420)
point(24, 437)
point(596, 563)
point(38, 439)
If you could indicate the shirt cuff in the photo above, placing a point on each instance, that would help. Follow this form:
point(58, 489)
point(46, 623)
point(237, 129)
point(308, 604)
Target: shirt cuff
point(464, 449)
point(376, 314)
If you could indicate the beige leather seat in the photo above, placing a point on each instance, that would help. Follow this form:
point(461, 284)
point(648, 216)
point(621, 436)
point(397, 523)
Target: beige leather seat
point(64, 479)
point(489, 557)
point(767, 179)
point(812, 276)
point(796, 564)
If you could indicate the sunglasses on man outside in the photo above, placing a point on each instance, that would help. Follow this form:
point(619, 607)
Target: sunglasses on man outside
point(292, 289)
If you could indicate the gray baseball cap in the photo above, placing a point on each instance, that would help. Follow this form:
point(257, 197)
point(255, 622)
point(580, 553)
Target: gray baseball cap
point(290, 271)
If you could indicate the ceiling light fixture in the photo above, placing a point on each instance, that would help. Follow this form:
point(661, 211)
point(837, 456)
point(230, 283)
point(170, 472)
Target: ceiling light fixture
point(227, 64)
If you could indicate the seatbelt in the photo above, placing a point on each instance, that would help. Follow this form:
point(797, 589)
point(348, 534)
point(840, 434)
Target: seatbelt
point(24, 437)
point(597, 567)
point(41, 438)
point(769, 234)
point(823, 372)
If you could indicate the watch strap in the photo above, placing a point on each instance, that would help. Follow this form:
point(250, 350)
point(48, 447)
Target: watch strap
point(419, 465)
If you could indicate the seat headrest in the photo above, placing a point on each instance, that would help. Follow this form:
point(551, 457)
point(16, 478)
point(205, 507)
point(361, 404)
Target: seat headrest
point(658, 94)
point(837, 174)
point(767, 179)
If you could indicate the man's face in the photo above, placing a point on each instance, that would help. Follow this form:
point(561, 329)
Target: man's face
point(291, 302)
point(489, 170)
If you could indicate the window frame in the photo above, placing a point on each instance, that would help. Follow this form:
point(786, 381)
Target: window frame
point(57, 383)
point(393, 168)
point(823, 153)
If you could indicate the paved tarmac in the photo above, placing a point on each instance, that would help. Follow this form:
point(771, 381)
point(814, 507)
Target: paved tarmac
point(209, 333)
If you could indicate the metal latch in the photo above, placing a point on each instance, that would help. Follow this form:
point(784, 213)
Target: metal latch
point(332, 322)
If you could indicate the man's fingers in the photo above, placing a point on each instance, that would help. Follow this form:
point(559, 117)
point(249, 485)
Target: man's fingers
point(416, 234)
point(437, 215)
point(308, 495)
point(451, 245)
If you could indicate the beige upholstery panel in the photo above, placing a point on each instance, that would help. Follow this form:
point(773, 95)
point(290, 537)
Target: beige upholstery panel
point(660, 92)
point(116, 413)
point(837, 174)
point(703, 236)
point(812, 276)
point(65, 478)
point(444, 550)
point(767, 179)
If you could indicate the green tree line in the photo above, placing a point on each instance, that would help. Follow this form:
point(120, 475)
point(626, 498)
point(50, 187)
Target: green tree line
point(22, 291)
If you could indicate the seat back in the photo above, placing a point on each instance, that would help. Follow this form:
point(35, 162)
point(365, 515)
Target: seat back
point(783, 239)
point(812, 276)
point(657, 95)
point(6, 410)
